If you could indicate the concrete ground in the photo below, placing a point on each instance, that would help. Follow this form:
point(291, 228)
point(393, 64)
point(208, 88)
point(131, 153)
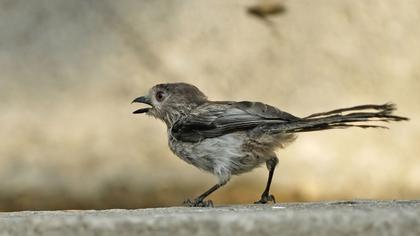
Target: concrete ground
point(320, 218)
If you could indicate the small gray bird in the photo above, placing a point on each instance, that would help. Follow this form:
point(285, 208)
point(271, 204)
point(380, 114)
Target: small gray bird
point(229, 138)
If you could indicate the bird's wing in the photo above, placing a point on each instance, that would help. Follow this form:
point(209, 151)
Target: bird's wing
point(218, 118)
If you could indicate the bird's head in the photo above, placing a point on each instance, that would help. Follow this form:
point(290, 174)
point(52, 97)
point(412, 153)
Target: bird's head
point(169, 102)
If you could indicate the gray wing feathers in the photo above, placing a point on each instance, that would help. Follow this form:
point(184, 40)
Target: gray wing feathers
point(216, 119)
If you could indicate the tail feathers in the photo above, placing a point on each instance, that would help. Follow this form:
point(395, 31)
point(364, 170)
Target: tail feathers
point(387, 108)
point(344, 118)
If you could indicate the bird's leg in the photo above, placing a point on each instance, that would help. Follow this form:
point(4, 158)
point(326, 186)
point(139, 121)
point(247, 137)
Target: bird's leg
point(199, 201)
point(266, 196)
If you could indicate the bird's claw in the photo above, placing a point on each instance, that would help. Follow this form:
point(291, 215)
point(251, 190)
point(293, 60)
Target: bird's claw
point(265, 198)
point(198, 203)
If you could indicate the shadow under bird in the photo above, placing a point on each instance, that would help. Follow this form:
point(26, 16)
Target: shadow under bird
point(229, 138)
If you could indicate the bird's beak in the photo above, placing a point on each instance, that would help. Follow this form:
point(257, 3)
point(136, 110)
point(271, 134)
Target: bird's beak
point(145, 100)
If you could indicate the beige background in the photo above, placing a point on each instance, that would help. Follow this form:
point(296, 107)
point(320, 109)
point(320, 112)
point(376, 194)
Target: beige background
point(69, 70)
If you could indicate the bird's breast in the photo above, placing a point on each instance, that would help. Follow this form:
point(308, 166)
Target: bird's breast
point(224, 146)
point(212, 154)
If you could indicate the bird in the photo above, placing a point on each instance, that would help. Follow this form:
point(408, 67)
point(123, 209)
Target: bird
point(229, 138)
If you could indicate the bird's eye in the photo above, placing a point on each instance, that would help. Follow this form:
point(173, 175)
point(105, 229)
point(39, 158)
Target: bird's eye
point(159, 96)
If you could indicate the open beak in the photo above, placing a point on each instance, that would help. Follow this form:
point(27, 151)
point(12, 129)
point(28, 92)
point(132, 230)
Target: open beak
point(145, 100)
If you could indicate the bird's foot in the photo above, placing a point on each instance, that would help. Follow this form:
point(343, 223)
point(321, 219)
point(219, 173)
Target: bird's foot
point(198, 203)
point(265, 198)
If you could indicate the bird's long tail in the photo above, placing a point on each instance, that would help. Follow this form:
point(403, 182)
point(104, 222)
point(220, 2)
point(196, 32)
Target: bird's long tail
point(357, 116)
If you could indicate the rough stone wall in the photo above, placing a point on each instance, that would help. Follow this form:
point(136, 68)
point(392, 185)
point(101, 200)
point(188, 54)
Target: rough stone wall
point(325, 218)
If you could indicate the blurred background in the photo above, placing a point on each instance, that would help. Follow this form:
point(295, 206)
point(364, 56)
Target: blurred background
point(69, 70)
